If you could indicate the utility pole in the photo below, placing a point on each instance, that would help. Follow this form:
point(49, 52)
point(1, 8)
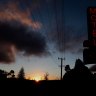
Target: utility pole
point(61, 65)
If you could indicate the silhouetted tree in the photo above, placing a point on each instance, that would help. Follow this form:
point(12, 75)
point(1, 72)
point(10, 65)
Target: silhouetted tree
point(3, 74)
point(21, 74)
point(46, 76)
point(11, 74)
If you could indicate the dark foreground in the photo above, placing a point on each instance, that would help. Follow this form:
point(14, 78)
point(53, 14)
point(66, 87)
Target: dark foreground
point(46, 88)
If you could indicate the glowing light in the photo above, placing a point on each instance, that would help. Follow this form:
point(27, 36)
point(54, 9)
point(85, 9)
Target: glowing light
point(37, 78)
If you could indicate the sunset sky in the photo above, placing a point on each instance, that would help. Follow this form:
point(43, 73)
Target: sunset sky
point(34, 33)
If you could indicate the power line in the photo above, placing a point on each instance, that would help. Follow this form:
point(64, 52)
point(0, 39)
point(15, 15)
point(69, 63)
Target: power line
point(56, 17)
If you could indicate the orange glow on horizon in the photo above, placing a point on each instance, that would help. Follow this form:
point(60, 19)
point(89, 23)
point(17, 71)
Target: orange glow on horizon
point(37, 78)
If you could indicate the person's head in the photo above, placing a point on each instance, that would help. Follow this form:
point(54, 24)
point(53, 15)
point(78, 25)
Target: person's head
point(67, 68)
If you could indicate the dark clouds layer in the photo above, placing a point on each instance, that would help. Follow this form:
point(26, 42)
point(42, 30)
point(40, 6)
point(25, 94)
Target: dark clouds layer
point(7, 52)
point(18, 17)
point(13, 11)
point(18, 31)
point(30, 42)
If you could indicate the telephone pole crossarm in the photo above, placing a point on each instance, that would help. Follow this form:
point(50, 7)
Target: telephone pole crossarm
point(61, 65)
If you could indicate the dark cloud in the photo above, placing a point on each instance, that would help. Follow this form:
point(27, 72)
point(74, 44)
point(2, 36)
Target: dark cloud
point(19, 31)
point(30, 42)
point(12, 11)
point(7, 52)
point(22, 15)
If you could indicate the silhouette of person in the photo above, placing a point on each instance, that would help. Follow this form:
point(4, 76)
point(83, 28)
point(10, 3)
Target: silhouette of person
point(67, 68)
point(67, 75)
point(79, 72)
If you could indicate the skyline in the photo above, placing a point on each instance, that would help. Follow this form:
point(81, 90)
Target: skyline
point(43, 31)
